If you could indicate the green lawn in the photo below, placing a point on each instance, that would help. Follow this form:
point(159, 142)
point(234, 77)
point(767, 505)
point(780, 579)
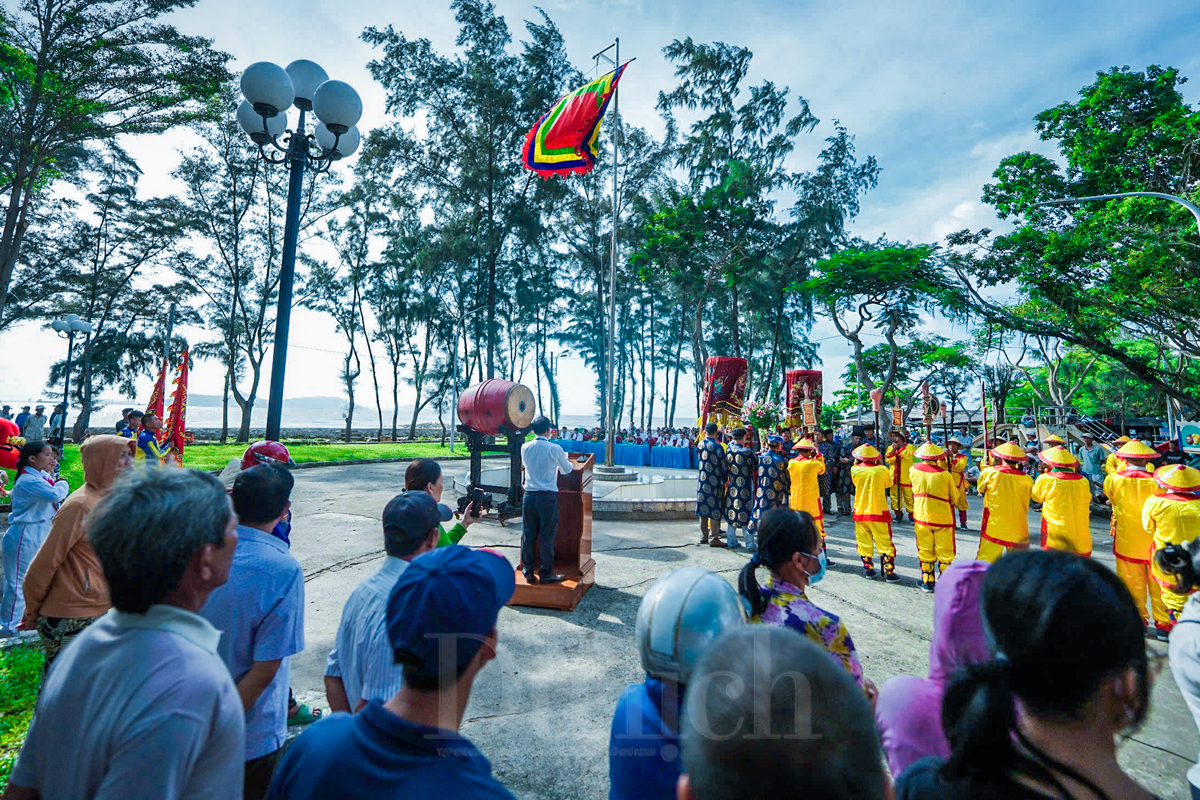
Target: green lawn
point(20, 675)
point(216, 456)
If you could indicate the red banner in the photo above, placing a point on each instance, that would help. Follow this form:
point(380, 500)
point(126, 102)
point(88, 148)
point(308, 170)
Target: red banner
point(724, 390)
point(174, 432)
point(155, 406)
point(800, 385)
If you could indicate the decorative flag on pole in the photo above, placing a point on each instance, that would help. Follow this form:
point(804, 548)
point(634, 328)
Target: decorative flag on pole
point(564, 139)
point(174, 432)
point(155, 406)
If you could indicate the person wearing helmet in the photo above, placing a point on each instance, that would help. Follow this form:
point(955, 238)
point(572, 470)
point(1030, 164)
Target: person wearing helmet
point(1128, 491)
point(267, 452)
point(956, 462)
point(1006, 489)
point(804, 472)
point(1172, 517)
point(1115, 463)
point(684, 611)
point(934, 495)
point(900, 460)
point(872, 522)
point(1066, 499)
point(774, 483)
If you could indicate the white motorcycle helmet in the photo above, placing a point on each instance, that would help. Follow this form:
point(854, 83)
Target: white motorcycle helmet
point(684, 611)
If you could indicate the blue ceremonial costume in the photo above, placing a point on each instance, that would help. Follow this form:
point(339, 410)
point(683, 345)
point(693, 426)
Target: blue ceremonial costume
point(774, 486)
point(741, 466)
point(710, 491)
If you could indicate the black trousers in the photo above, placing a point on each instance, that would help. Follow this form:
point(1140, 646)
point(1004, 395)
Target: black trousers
point(539, 522)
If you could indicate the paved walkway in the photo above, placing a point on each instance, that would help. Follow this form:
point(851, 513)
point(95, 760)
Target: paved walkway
point(541, 712)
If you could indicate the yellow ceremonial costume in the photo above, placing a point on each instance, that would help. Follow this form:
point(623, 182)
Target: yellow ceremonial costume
point(1115, 463)
point(1066, 499)
point(934, 495)
point(958, 470)
point(872, 522)
point(806, 488)
point(1128, 491)
point(900, 461)
point(1172, 517)
point(1006, 491)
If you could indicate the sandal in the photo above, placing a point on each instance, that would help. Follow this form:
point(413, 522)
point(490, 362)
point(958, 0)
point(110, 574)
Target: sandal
point(304, 715)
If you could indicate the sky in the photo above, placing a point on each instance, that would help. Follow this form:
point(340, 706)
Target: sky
point(939, 92)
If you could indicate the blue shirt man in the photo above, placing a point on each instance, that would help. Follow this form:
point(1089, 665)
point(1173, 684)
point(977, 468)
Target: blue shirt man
point(260, 612)
point(449, 597)
point(643, 745)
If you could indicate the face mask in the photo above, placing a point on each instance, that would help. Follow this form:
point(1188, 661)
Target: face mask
point(815, 577)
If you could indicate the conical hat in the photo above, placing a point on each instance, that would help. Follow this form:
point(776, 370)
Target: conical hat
point(1053, 440)
point(1121, 440)
point(928, 451)
point(1178, 477)
point(1010, 451)
point(1059, 457)
point(805, 444)
point(866, 453)
point(1135, 449)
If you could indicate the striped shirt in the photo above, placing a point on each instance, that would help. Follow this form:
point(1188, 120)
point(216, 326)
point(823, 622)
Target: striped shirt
point(362, 654)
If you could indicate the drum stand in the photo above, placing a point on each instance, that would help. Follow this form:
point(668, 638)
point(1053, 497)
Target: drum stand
point(478, 444)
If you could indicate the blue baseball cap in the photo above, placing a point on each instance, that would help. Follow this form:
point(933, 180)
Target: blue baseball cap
point(773, 439)
point(450, 595)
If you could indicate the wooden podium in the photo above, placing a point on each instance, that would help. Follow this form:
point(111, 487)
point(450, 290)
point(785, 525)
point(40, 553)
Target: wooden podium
point(572, 544)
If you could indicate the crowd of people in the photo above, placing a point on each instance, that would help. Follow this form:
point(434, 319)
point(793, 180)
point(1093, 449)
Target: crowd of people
point(169, 634)
point(658, 437)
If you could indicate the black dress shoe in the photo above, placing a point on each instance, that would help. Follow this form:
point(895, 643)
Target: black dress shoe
point(551, 578)
point(530, 578)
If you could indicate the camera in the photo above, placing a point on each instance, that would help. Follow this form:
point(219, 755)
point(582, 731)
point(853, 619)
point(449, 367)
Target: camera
point(481, 499)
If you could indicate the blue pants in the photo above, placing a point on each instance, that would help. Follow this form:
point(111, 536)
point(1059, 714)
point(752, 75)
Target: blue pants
point(539, 522)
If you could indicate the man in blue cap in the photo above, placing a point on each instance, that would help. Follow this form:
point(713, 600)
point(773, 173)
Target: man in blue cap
point(441, 619)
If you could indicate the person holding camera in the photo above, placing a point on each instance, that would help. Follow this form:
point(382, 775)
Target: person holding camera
point(541, 461)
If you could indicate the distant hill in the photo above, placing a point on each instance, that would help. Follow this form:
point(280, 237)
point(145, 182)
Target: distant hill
point(319, 405)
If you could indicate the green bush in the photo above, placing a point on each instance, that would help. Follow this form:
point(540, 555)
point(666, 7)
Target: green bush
point(20, 678)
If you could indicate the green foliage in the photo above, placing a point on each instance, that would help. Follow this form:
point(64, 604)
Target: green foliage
point(20, 680)
point(1098, 275)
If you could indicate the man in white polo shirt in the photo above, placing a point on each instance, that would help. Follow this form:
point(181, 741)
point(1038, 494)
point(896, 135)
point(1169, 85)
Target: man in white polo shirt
point(360, 668)
point(140, 704)
point(541, 460)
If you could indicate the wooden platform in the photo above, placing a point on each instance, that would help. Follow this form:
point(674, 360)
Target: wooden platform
point(561, 596)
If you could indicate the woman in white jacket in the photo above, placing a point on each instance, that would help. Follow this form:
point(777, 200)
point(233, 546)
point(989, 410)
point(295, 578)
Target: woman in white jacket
point(35, 498)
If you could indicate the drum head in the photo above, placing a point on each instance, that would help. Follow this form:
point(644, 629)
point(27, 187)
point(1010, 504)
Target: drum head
point(519, 406)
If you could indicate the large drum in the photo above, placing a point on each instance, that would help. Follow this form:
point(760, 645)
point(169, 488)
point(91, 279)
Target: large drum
point(486, 406)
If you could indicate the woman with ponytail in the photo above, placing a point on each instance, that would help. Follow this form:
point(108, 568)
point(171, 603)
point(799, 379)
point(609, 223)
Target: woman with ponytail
point(1179, 564)
point(35, 497)
point(790, 549)
point(1068, 651)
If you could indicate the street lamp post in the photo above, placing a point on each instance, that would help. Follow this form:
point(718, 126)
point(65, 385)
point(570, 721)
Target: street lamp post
point(1067, 201)
point(269, 91)
point(70, 326)
point(454, 370)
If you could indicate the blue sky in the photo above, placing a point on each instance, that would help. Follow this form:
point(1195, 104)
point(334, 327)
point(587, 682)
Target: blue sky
point(938, 92)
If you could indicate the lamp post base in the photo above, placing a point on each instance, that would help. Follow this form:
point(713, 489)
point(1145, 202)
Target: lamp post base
point(614, 474)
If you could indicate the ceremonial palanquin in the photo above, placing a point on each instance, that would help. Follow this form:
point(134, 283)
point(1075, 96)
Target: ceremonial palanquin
point(802, 385)
point(724, 390)
point(564, 139)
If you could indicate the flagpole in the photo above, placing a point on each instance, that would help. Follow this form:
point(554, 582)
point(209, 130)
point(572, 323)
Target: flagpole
point(611, 396)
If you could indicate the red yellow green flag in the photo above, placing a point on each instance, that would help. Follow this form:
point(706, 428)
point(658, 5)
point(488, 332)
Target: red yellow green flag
point(564, 139)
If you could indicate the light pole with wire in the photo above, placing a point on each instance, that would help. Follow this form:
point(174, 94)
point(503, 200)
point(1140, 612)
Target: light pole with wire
point(70, 326)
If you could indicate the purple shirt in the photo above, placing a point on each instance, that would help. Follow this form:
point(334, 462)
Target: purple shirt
point(788, 607)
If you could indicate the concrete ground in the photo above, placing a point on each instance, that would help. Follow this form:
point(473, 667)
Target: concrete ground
point(542, 710)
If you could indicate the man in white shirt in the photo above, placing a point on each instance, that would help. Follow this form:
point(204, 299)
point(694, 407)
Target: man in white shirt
point(361, 667)
point(541, 461)
point(141, 704)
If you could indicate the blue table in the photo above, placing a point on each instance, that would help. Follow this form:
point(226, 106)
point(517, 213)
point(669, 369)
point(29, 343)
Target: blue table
point(671, 457)
point(626, 455)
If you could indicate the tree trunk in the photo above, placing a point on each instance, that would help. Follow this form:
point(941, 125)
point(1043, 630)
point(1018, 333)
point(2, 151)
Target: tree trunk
point(491, 308)
point(374, 374)
point(225, 410)
point(395, 395)
point(734, 328)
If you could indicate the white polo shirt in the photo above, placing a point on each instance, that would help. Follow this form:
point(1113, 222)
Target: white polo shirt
point(543, 460)
point(138, 705)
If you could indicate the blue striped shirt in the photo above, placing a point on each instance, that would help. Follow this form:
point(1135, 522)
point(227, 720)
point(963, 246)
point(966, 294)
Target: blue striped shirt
point(362, 654)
